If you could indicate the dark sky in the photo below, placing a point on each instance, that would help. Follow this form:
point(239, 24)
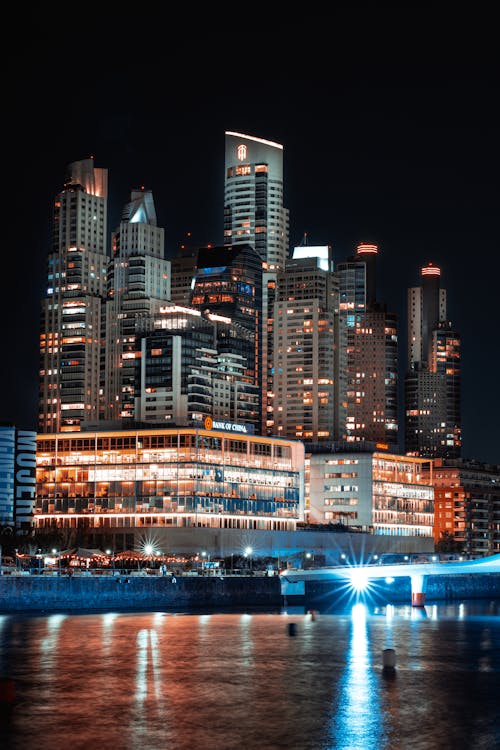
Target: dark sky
point(390, 131)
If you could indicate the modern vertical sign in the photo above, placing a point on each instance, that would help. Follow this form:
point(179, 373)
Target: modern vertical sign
point(17, 475)
point(7, 462)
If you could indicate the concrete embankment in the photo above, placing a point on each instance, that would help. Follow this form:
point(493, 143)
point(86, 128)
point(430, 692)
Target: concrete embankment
point(57, 593)
point(63, 593)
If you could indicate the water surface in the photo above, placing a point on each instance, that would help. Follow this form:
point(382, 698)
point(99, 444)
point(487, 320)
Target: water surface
point(237, 681)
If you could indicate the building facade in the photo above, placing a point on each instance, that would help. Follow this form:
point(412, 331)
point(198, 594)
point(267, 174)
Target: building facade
point(73, 309)
point(254, 213)
point(302, 383)
point(217, 477)
point(228, 287)
point(467, 505)
point(381, 493)
point(432, 383)
point(138, 284)
point(366, 373)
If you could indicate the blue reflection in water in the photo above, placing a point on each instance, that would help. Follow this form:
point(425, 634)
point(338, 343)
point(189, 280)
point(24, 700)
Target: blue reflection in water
point(357, 719)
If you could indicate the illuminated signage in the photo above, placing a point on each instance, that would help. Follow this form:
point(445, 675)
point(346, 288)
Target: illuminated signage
point(17, 474)
point(241, 151)
point(214, 424)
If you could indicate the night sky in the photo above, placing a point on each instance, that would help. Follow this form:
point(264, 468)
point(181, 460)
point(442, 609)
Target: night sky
point(390, 136)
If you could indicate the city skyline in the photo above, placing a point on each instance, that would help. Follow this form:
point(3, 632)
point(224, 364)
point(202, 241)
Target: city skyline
point(385, 160)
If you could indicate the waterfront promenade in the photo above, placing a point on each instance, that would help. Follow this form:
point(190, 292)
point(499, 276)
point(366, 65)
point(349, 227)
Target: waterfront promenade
point(83, 592)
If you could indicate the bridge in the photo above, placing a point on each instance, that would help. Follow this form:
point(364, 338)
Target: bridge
point(358, 576)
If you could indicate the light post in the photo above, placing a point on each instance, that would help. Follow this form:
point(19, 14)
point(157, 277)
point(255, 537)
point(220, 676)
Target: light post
point(205, 554)
point(55, 552)
point(148, 550)
point(112, 554)
point(248, 552)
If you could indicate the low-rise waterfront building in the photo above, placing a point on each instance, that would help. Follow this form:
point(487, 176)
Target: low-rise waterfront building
point(467, 504)
point(218, 477)
point(376, 492)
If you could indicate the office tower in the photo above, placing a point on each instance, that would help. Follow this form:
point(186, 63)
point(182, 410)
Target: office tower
point(73, 310)
point(183, 378)
point(176, 362)
point(228, 286)
point(367, 362)
point(254, 214)
point(302, 403)
point(182, 274)
point(432, 382)
point(253, 197)
point(138, 284)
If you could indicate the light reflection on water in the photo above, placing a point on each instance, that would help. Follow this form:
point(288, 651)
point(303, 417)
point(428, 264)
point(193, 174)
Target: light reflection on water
point(243, 680)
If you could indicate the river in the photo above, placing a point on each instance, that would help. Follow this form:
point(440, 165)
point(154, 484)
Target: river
point(284, 679)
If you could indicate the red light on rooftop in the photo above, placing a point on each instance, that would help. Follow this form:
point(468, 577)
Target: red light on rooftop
point(430, 270)
point(364, 248)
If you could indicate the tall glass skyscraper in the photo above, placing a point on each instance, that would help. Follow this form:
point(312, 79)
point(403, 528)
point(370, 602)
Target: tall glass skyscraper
point(367, 355)
point(73, 310)
point(228, 285)
point(254, 214)
point(138, 284)
point(432, 382)
point(253, 197)
point(302, 406)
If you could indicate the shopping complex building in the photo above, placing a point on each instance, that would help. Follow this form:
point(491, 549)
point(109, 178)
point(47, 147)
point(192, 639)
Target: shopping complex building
point(121, 482)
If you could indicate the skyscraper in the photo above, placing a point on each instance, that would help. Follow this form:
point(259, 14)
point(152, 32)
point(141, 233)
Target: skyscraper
point(367, 355)
point(138, 284)
point(73, 310)
point(302, 405)
point(228, 284)
point(254, 213)
point(432, 382)
point(253, 197)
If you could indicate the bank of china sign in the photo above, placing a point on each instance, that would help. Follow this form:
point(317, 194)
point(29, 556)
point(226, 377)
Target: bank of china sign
point(214, 424)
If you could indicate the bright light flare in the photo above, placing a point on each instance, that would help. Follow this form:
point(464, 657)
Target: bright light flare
point(359, 579)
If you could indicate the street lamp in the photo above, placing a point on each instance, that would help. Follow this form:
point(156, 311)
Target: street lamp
point(248, 552)
point(204, 554)
point(111, 552)
point(55, 552)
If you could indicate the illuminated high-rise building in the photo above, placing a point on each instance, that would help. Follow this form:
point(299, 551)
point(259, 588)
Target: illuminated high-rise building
point(184, 379)
point(138, 284)
point(432, 382)
point(366, 368)
point(253, 197)
point(73, 309)
point(303, 399)
point(228, 288)
point(254, 213)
